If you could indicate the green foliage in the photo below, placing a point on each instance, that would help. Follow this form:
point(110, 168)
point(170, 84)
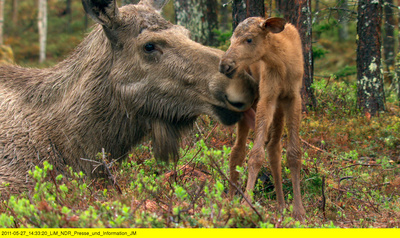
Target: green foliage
point(193, 193)
point(346, 71)
point(318, 51)
point(325, 26)
point(335, 97)
point(223, 38)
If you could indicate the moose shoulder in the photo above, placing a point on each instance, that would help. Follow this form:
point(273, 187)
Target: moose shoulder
point(135, 74)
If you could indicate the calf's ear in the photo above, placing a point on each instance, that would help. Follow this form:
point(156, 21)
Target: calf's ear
point(274, 24)
point(104, 12)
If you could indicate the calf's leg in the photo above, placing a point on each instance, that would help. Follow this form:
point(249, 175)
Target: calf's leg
point(265, 110)
point(294, 153)
point(274, 152)
point(238, 154)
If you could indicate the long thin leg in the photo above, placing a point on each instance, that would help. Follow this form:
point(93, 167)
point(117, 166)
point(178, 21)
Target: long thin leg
point(274, 151)
point(265, 110)
point(238, 154)
point(294, 153)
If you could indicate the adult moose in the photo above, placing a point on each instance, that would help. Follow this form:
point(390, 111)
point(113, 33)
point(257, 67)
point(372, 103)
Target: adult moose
point(272, 51)
point(135, 74)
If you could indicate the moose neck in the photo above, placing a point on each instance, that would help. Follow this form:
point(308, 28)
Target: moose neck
point(77, 95)
point(272, 58)
point(51, 87)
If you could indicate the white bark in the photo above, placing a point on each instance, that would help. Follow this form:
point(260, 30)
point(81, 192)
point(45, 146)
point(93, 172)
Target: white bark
point(42, 26)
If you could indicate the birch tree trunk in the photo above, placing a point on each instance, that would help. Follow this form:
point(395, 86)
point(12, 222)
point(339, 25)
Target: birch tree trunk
point(370, 92)
point(1, 21)
point(42, 26)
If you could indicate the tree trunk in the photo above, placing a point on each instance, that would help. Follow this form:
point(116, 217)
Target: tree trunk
point(224, 13)
point(243, 9)
point(398, 59)
point(298, 12)
point(397, 78)
point(42, 26)
point(211, 22)
point(343, 20)
point(200, 18)
point(280, 6)
point(15, 12)
point(370, 92)
point(1, 20)
point(388, 40)
point(68, 12)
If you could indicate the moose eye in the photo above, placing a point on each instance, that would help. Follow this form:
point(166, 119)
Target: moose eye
point(249, 40)
point(149, 47)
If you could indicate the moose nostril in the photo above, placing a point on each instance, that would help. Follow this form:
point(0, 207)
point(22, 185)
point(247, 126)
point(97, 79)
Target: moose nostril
point(222, 68)
point(226, 67)
point(229, 68)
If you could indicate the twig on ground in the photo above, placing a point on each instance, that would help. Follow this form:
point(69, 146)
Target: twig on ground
point(110, 176)
point(198, 151)
point(237, 189)
point(360, 165)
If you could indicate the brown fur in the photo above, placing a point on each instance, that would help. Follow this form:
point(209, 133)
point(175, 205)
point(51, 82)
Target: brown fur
point(272, 51)
point(135, 74)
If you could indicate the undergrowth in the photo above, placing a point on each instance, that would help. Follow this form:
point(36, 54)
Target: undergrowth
point(350, 178)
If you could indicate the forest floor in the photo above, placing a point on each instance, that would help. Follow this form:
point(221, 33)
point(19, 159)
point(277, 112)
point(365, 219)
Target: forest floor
point(350, 178)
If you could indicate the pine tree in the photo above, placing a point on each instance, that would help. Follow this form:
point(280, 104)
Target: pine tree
point(243, 9)
point(298, 12)
point(370, 92)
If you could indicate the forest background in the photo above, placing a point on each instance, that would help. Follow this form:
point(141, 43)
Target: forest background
point(350, 139)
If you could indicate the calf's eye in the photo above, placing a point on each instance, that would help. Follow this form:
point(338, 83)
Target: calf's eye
point(249, 40)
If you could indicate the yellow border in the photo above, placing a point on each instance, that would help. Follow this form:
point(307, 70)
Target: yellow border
point(189, 233)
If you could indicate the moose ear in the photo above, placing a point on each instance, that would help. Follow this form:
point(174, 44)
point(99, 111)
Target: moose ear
point(274, 24)
point(156, 4)
point(104, 12)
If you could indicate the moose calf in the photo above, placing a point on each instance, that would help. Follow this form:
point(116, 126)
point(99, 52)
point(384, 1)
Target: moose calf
point(271, 49)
